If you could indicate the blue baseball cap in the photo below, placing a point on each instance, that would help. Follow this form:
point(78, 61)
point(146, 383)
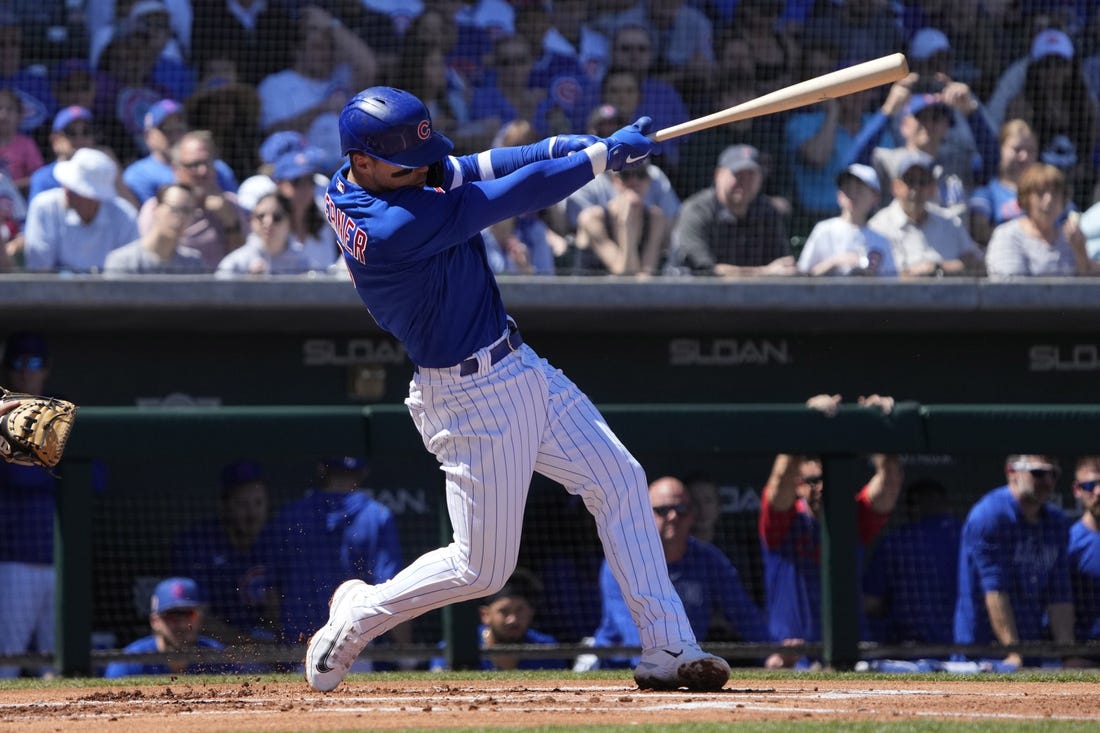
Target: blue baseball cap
point(69, 115)
point(280, 143)
point(298, 163)
point(161, 111)
point(175, 593)
point(24, 344)
point(241, 472)
point(346, 463)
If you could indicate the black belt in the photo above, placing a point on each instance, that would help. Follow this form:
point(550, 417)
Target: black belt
point(498, 352)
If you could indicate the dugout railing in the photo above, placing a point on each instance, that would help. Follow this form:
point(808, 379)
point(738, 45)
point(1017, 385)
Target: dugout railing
point(654, 433)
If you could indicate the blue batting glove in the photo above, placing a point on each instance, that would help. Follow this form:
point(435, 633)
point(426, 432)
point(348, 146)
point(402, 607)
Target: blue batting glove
point(563, 145)
point(629, 147)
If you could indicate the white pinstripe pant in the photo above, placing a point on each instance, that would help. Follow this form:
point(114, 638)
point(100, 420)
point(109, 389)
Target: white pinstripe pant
point(490, 431)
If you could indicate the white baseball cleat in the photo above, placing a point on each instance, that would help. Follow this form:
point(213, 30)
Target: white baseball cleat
point(681, 665)
point(336, 645)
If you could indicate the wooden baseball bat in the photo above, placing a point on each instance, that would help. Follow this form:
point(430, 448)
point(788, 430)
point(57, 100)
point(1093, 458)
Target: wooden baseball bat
point(867, 75)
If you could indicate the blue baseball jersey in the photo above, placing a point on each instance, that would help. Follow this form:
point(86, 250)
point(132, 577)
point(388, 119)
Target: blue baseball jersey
point(707, 583)
point(1084, 573)
point(233, 580)
point(148, 645)
point(791, 548)
point(915, 572)
point(1001, 551)
point(318, 542)
point(416, 255)
point(26, 514)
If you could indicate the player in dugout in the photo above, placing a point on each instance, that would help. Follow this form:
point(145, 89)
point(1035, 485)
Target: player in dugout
point(407, 215)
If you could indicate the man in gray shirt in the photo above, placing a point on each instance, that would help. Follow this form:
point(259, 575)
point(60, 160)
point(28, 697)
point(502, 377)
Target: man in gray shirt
point(159, 250)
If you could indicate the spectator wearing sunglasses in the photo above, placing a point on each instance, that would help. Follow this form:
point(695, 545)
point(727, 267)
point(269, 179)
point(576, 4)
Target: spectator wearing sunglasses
point(220, 224)
point(27, 502)
point(271, 248)
point(790, 516)
point(706, 581)
point(160, 250)
point(1014, 581)
point(176, 614)
point(1084, 550)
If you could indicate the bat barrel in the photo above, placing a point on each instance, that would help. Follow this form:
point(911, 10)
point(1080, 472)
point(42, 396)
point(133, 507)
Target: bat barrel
point(858, 78)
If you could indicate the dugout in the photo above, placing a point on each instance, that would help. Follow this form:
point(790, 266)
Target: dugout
point(176, 377)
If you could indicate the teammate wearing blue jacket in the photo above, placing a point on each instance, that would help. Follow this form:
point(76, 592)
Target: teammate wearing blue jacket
point(704, 578)
point(407, 217)
point(1084, 549)
point(1013, 569)
point(314, 543)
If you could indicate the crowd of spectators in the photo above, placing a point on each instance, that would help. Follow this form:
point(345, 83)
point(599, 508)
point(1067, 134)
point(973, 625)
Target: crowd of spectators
point(216, 95)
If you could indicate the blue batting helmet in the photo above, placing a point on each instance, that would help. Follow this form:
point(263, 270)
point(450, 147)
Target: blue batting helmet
point(391, 125)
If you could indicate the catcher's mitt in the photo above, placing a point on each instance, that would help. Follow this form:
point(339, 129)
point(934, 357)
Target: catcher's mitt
point(34, 432)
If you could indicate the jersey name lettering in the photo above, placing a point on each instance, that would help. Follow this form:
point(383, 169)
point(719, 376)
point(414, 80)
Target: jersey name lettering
point(353, 240)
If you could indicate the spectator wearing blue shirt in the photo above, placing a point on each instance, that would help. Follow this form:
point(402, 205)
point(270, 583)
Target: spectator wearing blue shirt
point(705, 579)
point(506, 618)
point(1013, 567)
point(1084, 550)
point(335, 532)
point(222, 555)
point(176, 617)
point(910, 584)
point(164, 124)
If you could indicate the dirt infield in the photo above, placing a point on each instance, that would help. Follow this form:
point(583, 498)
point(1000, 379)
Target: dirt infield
point(184, 706)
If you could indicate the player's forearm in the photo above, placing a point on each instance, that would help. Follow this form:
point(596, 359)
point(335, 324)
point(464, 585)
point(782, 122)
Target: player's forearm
point(885, 486)
point(1002, 619)
point(782, 483)
point(534, 187)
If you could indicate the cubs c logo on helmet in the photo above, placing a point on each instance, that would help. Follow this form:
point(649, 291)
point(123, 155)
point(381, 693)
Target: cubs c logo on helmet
point(424, 130)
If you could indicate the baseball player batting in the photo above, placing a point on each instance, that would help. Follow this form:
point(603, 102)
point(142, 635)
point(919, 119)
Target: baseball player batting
point(408, 217)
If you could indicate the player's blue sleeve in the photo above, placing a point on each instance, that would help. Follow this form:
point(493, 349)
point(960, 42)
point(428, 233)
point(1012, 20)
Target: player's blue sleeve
point(492, 164)
point(860, 152)
point(1060, 587)
point(460, 214)
point(990, 554)
point(985, 139)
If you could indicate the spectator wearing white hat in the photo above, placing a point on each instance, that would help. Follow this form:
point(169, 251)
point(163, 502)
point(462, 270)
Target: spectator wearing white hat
point(72, 228)
point(845, 245)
